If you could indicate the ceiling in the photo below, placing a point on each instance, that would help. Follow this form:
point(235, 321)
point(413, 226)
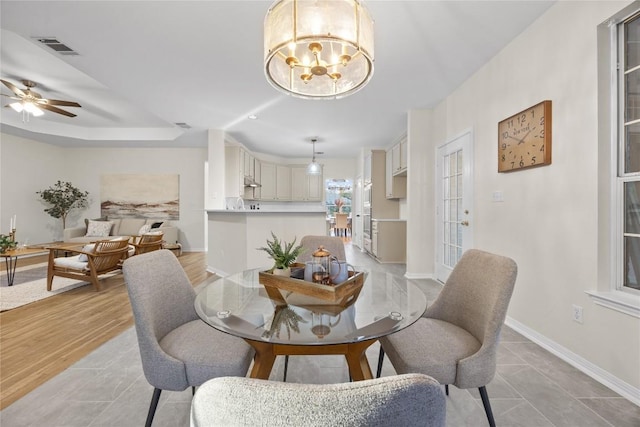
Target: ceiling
point(143, 66)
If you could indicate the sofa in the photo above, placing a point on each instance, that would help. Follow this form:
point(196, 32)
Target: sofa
point(103, 228)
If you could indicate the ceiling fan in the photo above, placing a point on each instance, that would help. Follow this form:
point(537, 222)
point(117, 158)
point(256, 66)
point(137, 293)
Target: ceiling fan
point(32, 102)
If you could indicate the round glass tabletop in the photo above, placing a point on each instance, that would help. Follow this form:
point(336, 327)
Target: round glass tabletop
point(244, 307)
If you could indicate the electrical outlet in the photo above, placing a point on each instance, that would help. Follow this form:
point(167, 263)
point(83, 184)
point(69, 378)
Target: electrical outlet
point(577, 313)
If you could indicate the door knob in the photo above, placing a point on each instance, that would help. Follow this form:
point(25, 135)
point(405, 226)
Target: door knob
point(465, 223)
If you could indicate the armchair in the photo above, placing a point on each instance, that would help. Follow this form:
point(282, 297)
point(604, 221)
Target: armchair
point(90, 262)
point(147, 243)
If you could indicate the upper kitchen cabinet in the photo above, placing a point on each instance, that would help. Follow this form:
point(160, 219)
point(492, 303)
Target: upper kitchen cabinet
point(395, 182)
point(305, 188)
point(399, 158)
point(276, 182)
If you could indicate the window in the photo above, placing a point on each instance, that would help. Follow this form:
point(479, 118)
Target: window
point(338, 196)
point(628, 171)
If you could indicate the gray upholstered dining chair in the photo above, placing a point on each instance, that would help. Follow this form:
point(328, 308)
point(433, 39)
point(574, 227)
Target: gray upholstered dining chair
point(177, 348)
point(401, 400)
point(310, 243)
point(456, 340)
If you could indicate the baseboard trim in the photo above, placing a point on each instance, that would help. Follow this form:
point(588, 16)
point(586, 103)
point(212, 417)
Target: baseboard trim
point(418, 276)
point(604, 377)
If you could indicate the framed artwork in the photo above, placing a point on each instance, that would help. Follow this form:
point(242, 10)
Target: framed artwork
point(140, 196)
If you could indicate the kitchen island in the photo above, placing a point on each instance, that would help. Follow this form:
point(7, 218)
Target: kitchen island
point(235, 235)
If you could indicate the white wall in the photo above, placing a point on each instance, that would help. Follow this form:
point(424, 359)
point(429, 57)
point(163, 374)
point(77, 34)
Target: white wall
point(26, 167)
point(548, 220)
point(29, 166)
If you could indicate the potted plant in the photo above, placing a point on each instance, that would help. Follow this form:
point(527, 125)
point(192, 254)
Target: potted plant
point(6, 243)
point(63, 197)
point(282, 253)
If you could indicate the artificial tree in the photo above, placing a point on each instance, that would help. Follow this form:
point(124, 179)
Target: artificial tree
point(63, 197)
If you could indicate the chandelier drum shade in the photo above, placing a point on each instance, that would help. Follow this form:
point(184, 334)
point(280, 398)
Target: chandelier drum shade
point(318, 48)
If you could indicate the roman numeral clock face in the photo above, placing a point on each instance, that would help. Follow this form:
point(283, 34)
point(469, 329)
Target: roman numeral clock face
point(524, 139)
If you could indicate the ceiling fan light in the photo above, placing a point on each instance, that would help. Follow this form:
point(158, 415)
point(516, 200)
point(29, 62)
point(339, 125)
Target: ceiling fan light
point(17, 106)
point(31, 108)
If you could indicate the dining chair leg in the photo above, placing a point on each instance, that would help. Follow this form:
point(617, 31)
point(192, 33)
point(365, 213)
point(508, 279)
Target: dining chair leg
point(286, 366)
point(380, 360)
point(446, 389)
point(152, 408)
point(193, 391)
point(487, 405)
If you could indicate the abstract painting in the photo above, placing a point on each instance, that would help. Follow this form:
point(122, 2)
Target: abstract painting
point(140, 196)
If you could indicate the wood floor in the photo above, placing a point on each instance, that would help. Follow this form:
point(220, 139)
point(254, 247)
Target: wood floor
point(42, 339)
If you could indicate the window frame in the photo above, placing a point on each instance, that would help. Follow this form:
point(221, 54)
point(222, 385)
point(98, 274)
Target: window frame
point(615, 295)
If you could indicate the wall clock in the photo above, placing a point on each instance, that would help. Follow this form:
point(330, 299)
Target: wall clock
point(524, 139)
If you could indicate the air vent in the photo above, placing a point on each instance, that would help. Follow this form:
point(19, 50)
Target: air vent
point(183, 125)
point(57, 45)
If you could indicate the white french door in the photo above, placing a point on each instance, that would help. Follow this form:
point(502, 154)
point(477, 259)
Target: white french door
point(454, 199)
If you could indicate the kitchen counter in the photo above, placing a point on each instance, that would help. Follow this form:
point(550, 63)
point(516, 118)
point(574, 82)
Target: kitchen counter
point(388, 220)
point(235, 235)
point(269, 211)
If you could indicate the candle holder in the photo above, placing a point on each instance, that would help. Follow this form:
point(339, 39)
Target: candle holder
point(12, 235)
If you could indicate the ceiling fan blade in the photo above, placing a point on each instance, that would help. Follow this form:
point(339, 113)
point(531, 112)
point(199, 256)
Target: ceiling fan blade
point(13, 88)
point(58, 102)
point(11, 97)
point(56, 110)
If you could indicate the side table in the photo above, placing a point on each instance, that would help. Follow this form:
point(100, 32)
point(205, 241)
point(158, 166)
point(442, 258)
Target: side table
point(176, 248)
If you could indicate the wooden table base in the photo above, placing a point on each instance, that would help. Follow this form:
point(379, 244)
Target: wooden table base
point(354, 353)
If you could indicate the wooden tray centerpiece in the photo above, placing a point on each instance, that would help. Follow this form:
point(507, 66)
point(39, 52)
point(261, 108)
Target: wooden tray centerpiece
point(336, 293)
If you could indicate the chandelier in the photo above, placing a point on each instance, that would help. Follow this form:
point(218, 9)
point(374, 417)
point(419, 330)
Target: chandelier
point(318, 48)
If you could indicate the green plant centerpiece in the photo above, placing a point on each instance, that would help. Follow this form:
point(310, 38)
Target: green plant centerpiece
point(63, 197)
point(6, 244)
point(283, 254)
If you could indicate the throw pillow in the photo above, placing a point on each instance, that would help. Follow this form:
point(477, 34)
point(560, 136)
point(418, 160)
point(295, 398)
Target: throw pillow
point(98, 228)
point(144, 229)
point(86, 248)
point(157, 224)
point(86, 220)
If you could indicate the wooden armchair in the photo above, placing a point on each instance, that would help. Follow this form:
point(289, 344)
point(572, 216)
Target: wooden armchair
point(147, 243)
point(90, 262)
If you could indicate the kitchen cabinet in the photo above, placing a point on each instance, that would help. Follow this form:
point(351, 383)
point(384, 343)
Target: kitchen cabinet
point(395, 185)
point(399, 158)
point(381, 207)
point(249, 165)
point(275, 180)
point(257, 175)
point(283, 183)
point(389, 240)
point(268, 181)
point(305, 187)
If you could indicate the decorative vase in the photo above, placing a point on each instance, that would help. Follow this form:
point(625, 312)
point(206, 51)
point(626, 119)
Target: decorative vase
point(286, 272)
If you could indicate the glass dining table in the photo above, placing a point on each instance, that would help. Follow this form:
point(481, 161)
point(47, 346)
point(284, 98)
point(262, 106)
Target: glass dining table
point(282, 322)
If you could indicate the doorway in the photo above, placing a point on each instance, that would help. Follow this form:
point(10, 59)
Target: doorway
point(454, 199)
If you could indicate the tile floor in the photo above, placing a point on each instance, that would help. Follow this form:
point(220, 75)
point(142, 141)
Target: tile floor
point(531, 386)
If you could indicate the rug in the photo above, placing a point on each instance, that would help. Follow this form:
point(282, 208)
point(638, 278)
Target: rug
point(30, 285)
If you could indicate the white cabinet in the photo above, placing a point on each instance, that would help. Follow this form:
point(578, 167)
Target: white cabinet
point(257, 174)
point(283, 182)
point(268, 181)
point(275, 180)
point(399, 158)
point(249, 165)
point(395, 185)
point(305, 187)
